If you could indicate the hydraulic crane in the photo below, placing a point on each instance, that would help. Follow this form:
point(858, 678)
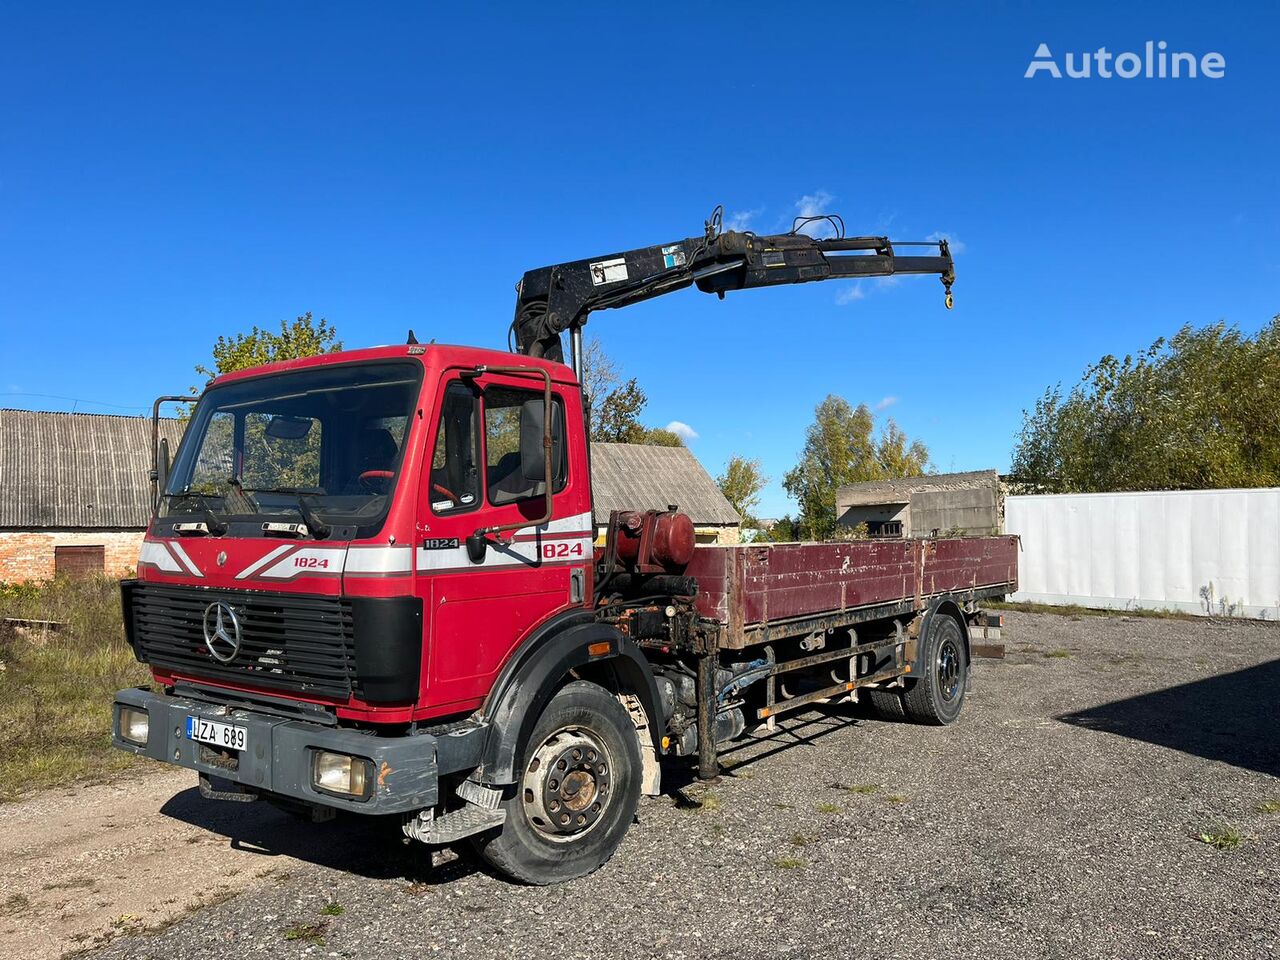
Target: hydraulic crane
point(553, 299)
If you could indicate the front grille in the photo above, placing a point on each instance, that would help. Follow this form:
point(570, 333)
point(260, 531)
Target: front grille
point(293, 642)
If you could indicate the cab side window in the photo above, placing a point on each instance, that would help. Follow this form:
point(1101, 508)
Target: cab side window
point(506, 478)
point(455, 461)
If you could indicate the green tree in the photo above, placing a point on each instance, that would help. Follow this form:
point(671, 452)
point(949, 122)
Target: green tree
point(303, 337)
point(741, 484)
point(616, 417)
point(269, 461)
point(841, 447)
point(661, 437)
point(615, 404)
point(1198, 411)
point(783, 531)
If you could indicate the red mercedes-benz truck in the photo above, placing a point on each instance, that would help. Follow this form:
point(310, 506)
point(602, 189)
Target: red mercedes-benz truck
point(371, 584)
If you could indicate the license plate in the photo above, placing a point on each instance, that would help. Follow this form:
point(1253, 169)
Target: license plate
point(226, 735)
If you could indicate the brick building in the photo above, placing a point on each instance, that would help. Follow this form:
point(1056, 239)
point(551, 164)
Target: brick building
point(75, 490)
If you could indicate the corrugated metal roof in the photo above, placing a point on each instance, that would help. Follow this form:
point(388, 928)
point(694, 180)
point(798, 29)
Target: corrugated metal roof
point(627, 476)
point(77, 469)
point(92, 470)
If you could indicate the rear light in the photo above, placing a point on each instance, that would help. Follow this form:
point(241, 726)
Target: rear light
point(341, 774)
point(135, 726)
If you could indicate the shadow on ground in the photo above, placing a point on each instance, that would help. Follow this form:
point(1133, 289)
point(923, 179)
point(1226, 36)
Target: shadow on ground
point(1232, 717)
point(370, 847)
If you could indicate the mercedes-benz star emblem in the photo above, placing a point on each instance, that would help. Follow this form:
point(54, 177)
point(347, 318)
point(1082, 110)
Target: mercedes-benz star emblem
point(221, 631)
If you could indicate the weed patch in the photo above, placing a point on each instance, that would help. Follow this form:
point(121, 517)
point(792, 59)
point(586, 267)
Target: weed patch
point(56, 685)
point(1225, 837)
point(312, 933)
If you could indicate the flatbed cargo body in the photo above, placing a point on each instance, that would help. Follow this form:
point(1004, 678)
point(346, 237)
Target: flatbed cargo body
point(760, 592)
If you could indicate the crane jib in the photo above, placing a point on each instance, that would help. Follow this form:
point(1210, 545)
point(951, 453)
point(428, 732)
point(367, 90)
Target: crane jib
point(562, 296)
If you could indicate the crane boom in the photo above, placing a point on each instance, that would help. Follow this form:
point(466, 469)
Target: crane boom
point(553, 299)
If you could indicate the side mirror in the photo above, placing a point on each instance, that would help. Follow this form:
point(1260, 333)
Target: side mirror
point(533, 455)
point(476, 547)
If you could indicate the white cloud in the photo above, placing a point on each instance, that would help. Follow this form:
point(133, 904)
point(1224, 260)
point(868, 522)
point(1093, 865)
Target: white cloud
point(815, 205)
point(683, 431)
point(850, 293)
point(884, 403)
point(957, 246)
point(886, 283)
point(742, 219)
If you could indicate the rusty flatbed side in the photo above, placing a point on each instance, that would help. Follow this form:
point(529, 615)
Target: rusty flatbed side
point(762, 592)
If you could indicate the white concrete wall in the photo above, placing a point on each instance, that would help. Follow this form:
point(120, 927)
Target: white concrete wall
point(1211, 552)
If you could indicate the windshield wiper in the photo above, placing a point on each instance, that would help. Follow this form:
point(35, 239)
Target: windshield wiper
point(213, 523)
point(319, 529)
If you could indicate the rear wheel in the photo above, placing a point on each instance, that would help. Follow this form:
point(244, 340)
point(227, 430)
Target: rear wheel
point(887, 704)
point(577, 794)
point(941, 674)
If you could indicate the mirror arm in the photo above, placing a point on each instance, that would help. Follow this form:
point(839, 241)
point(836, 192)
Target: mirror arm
point(157, 482)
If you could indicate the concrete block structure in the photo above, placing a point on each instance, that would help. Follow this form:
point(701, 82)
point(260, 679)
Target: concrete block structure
point(963, 503)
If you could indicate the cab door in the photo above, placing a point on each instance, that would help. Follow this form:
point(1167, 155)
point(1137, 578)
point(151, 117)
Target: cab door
point(480, 610)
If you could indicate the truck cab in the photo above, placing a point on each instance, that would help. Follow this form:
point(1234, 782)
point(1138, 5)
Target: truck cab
point(345, 487)
point(347, 552)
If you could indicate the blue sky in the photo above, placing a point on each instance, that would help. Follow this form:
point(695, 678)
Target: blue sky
point(172, 172)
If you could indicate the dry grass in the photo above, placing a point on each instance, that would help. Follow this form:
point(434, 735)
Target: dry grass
point(1075, 610)
point(56, 686)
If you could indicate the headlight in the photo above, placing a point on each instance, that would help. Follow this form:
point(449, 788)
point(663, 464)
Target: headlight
point(339, 773)
point(135, 725)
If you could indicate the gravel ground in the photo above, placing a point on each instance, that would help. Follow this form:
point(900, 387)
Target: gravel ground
point(1058, 818)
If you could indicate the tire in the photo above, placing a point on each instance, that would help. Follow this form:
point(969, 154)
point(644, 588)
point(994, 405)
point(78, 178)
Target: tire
point(887, 705)
point(561, 829)
point(941, 674)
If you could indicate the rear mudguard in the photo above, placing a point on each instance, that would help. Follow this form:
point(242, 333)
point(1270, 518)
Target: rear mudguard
point(539, 668)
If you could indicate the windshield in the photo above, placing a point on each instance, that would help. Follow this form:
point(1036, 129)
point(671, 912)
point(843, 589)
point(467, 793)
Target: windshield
point(320, 446)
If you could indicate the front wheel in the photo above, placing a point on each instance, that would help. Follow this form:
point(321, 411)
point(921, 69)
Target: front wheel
point(937, 694)
point(577, 794)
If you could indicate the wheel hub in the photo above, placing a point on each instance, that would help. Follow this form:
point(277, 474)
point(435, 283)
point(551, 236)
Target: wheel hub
point(566, 786)
point(948, 670)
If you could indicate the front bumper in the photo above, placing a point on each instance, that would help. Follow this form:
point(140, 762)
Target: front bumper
point(278, 759)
